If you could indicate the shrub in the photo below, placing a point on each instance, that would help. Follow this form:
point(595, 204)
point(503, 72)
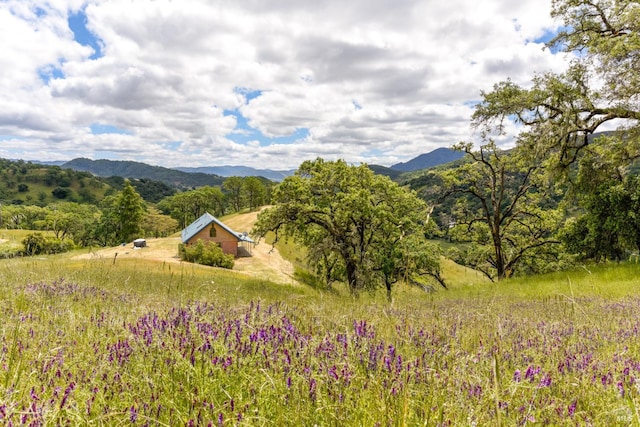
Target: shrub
point(37, 244)
point(61, 193)
point(206, 254)
point(9, 252)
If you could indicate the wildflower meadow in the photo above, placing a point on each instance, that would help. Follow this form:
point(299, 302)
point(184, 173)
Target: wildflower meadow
point(142, 344)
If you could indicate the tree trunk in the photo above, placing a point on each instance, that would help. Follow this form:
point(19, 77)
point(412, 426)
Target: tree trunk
point(387, 283)
point(501, 272)
point(352, 276)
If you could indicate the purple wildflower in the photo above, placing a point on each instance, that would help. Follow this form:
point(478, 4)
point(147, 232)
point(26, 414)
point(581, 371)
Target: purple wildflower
point(517, 376)
point(67, 392)
point(620, 388)
point(545, 381)
point(312, 389)
point(475, 391)
point(531, 373)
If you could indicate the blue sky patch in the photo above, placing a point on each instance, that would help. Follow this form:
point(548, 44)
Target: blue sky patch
point(374, 152)
point(100, 129)
point(244, 133)
point(546, 38)
point(300, 133)
point(49, 73)
point(248, 94)
point(78, 24)
point(9, 137)
point(172, 145)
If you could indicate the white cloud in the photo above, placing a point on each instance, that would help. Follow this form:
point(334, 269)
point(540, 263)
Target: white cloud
point(379, 81)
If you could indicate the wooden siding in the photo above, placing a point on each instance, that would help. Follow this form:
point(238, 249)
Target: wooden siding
point(227, 241)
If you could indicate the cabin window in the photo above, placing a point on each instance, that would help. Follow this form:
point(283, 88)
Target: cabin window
point(212, 231)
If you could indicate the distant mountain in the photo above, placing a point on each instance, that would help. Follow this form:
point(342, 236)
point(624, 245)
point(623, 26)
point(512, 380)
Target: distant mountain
point(383, 170)
point(436, 157)
point(49, 163)
point(226, 171)
point(129, 169)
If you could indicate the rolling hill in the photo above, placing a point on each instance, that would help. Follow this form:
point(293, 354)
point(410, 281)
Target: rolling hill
point(130, 169)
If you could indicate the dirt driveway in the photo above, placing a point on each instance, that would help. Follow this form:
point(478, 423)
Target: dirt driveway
point(265, 262)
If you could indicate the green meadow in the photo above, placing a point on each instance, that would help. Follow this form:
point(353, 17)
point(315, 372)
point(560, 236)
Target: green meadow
point(136, 342)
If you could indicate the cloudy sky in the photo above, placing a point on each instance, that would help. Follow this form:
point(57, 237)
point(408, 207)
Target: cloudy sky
point(258, 83)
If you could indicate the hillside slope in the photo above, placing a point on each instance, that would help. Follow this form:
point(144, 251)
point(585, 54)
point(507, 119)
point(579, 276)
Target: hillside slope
point(130, 169)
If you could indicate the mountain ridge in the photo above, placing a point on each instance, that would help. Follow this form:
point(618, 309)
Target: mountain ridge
point(433, 158)
point(187, 177)
point(131, 169)
point(243, 171)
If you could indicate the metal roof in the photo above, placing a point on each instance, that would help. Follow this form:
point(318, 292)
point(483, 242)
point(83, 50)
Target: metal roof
point(201, 223)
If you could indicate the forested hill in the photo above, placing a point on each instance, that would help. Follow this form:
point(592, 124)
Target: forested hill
point(41, 184)
point(130, 169)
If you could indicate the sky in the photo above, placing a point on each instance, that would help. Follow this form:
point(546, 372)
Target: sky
point(265, 84)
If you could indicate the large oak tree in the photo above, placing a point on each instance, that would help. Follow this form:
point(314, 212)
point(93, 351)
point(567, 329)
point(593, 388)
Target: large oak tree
point(562, 112)
point(358, 227)
point(564, 116)
point(500, 209)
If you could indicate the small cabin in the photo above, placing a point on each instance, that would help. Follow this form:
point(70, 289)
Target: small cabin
point(210, 229)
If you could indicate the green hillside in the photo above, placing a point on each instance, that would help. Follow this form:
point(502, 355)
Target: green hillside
point(28, 183)
point(37, 184)
point(129, 169)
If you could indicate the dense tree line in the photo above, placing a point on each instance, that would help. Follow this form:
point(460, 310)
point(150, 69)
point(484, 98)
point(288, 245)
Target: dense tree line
point(236, 194)
point(150, 190)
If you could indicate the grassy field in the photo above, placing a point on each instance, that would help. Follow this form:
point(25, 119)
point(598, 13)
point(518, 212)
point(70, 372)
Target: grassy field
point(137, 342)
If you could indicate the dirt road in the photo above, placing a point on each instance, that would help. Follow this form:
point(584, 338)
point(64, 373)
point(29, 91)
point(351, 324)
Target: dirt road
point(265, 261)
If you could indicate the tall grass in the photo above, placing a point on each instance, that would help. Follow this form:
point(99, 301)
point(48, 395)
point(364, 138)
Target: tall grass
point(133, 342)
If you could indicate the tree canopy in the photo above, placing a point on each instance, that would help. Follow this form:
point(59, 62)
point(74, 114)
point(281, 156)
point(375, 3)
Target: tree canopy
point(358, 227)
point(583, 125)
point(608, 224)
point(562, 112)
